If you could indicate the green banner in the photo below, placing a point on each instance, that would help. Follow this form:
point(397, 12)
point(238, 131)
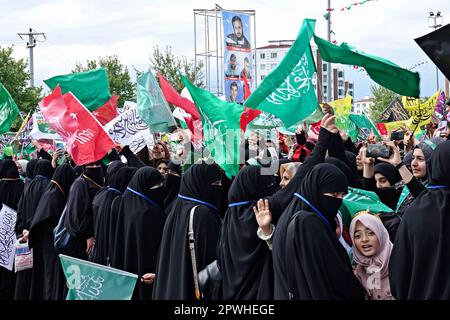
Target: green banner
point(91, 281)
point(90, 87)
point(8, 110)
point(382, 71)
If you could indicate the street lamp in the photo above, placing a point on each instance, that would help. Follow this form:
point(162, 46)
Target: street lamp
point(435, 21)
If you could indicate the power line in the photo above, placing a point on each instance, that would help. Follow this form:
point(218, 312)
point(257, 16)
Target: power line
point(32, 34)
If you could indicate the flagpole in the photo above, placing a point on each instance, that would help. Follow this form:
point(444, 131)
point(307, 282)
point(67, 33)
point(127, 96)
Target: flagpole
point(329, 71)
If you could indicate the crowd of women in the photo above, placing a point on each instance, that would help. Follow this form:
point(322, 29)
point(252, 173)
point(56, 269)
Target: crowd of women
point(277, 236)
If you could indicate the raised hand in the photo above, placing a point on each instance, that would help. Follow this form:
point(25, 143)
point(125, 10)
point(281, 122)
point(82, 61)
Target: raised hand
point(263, 216)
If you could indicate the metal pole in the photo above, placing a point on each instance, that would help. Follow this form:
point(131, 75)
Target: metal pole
point(254, 50)
point(206, 53)
point(217, 54)
point(329, 71)
point(195, 48)
point(31, 46)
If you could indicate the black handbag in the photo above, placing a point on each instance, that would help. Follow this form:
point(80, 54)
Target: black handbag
point(210, 281)
point(64, 243)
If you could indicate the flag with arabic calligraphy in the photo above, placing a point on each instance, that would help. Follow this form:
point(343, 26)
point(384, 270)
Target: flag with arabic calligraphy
point(91, 281)
point(221, 127)
point(288, 91)
point(425, 112)
point(129, 129)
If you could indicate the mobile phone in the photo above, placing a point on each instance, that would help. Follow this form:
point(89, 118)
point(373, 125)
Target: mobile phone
point(59, 145)
point(397, 135)
point(377, 150)
point(443, 124)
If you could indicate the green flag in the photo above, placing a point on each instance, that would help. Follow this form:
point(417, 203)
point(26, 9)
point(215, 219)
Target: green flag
point(357, 200)
point(221, 127)
point(151, 105)
point(90, 87)
point(288, 91)
point(363, 123)
point(8, 110)
point(90, 281)
point(382, 71)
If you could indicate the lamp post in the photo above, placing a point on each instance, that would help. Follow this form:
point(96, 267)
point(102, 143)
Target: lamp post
point(435, 21)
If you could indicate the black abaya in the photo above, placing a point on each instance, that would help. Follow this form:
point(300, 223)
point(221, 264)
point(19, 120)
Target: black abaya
point(242, 255)
point(45, 219)
point(27, 207)
point(101, 206)
point(140, 223)
point(317, 266)
point(419, 262)
point(174, 277)
point(11, 190)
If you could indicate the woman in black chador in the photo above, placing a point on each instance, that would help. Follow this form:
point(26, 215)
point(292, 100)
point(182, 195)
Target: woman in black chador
point(242, 255)
point(43, 172)
point(117, 183)
point(201, 187)
point(11, 190)
point(45, 219)
point(139, 227)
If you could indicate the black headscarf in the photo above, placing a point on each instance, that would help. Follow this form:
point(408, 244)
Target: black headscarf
point(389, 171)
point(30, 170)
point(419, 263)
point(349, 174)
point(171, 186)
point(174, 280)
point(101, 206)
point(242, 255)
point(140, 223)
point(113, 167)
point(321, 179)
point(312, 249)
point(9, 170)
point(96, 174)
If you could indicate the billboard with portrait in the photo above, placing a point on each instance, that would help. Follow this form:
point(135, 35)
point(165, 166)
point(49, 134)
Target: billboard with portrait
point(238, 57)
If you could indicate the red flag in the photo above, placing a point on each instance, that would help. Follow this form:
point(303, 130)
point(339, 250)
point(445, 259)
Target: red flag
point(314, 130)
point(382, 129)
point(108, 111)
point(173, 97)
point(249, 114)
point(86, 139)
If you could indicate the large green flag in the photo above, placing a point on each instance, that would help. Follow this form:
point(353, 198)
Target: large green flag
point(151, 105)
point(8, 110)
point(91, 281)
point(357, 200)
point(90, 87)
point(382, 71)
point(288, 91)
point(221, 127)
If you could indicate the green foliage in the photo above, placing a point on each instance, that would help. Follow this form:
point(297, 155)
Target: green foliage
point(382, 98)
point(14, 75)
point(118, 75)
point(168, 65)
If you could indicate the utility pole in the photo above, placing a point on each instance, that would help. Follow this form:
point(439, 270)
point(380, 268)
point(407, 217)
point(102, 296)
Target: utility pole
point(30, 45)
point(435, 21)
point(329, 71)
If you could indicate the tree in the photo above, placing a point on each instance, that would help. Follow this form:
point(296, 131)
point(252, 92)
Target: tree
point(14, 75)
point(118, 75)
point(168, 65)
point(382, 98)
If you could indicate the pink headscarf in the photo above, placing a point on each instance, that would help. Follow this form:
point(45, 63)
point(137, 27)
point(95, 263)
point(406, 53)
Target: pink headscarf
point(379, 261)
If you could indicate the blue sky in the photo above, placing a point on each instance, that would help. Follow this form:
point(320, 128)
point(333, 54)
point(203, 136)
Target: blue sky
point(78, 30)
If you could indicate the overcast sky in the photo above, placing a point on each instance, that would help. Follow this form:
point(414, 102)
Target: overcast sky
point(78, 30)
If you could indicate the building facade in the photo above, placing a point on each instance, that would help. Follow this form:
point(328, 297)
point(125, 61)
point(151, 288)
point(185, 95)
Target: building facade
point(362, 105)
point(268, 57)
